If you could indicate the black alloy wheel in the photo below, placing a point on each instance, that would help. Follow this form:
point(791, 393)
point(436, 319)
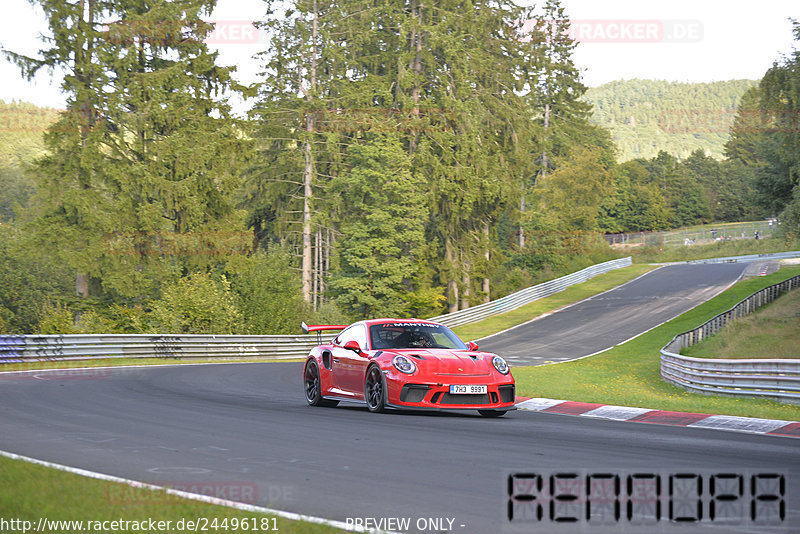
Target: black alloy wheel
point(374, 390)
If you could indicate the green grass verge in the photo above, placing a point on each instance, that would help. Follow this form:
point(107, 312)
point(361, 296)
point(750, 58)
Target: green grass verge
point(771, 332)
point(571, 295)
point(29, 492)
point(629, 374)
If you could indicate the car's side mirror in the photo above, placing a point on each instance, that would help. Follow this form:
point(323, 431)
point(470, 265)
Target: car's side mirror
point(353, 345)
point(472, 346)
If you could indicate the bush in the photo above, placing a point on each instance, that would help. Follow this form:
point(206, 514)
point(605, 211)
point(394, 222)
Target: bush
point(56, 319)
point(29, 280)
point(269, 294)
point(198, 304)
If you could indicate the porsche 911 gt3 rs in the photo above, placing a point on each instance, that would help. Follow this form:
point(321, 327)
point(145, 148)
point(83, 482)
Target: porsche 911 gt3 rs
point(406, 363)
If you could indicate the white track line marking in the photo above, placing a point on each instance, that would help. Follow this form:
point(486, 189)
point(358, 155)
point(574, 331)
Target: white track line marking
point(186, 495)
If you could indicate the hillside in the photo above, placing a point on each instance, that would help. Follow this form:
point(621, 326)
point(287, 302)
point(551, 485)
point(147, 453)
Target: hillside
point(21, 129)
point(646, 116)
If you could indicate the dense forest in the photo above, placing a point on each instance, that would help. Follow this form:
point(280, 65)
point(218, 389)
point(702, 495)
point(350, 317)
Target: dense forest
point(646, 117)
point(401, 159)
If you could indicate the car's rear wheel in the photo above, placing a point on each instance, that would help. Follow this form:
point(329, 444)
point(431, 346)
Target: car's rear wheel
point(374, 390)
point(492, 413)
point(312, 386)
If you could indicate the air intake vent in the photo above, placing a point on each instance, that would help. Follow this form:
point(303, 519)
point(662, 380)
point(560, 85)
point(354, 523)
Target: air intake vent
point(413, 393)
point(506, 393)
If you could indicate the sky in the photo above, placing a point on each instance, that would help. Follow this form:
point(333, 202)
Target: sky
point(675, 40)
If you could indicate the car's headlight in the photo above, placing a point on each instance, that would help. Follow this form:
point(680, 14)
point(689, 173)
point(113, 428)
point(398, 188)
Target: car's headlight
point(500, 364)
point(403, 364)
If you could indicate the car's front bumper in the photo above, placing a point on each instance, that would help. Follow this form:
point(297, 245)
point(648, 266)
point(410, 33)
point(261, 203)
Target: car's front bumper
point(436, 395)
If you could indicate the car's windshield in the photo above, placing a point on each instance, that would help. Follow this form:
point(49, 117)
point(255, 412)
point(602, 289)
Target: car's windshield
point(414, 336)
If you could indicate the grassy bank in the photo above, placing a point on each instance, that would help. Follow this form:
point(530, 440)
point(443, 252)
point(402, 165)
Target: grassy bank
point(571, 295)
point(629, 374)
point(30, 492)
point(771, 332)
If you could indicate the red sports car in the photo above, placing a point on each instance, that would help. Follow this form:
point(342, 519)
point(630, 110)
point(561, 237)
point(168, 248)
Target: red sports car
point(406, 363)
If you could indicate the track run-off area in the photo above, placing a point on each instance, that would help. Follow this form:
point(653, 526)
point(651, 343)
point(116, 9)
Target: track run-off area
point(246, 427)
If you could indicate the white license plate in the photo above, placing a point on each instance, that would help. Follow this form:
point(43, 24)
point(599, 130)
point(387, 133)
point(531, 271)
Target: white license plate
point(468, 390)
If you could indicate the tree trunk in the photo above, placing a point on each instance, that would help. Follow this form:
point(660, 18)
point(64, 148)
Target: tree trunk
point(522, 216)
point(466, 281)
point(416, 66)
point(308, 173)
point(307, 177)
point(315, 272)
point(487, 256)
point(546, 126)
point(81, 285)
point(452, 285)
point(83, 61)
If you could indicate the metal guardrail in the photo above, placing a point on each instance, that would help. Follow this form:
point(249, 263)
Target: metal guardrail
point(95, 346)
point(752, 257)
point(776, 378)
point(528, 295)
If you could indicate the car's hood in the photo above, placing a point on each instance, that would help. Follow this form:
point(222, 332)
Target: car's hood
point(447, 362)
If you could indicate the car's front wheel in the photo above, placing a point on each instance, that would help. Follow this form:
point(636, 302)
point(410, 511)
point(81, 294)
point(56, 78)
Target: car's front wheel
point(374, 390)
point(492, 413)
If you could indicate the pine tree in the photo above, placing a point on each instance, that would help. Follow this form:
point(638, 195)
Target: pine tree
point(74, 48)
point(137, 187)
point(382, 241)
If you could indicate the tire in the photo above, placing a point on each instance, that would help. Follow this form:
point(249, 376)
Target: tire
point(312, 386)
point(375, 390)
point(492, 413)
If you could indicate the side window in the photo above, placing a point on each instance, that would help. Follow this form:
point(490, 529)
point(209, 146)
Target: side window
point(360, 335)
point(356, 332)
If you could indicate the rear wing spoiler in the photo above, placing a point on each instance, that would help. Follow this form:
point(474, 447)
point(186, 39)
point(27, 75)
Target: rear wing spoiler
point(320, 328)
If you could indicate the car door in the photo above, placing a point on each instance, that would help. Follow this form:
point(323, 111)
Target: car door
point(349, 367)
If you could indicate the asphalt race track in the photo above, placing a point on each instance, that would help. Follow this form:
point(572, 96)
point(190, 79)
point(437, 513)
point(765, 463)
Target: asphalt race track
point(610, 318)
point(245, 428)
point(245, 431)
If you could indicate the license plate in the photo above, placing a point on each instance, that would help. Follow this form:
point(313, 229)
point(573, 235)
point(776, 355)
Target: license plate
point(468, 390)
